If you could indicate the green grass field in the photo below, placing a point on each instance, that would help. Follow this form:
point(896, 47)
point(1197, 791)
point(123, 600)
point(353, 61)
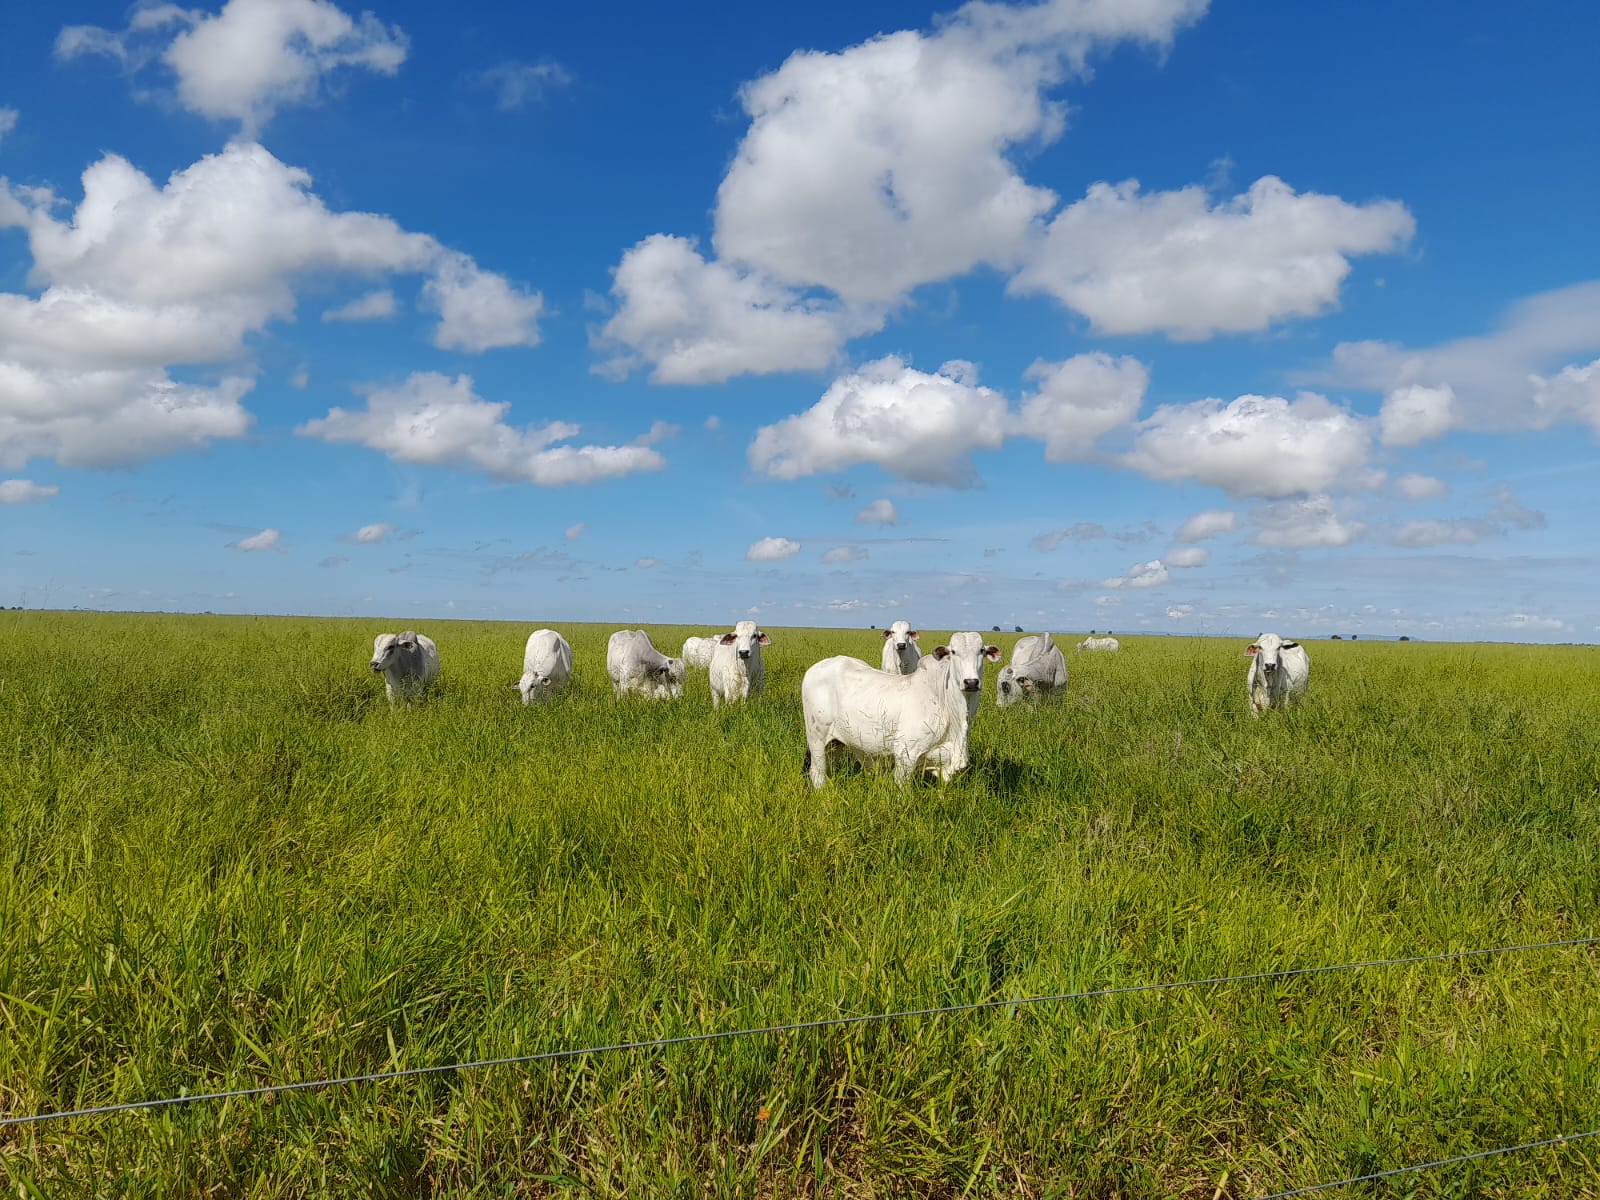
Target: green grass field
point(227, 862)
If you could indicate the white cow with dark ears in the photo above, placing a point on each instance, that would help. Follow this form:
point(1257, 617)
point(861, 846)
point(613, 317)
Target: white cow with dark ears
point(900, 653)
point(737, 672)
point(408, 662)
point(1279, 673)
point(546, 666)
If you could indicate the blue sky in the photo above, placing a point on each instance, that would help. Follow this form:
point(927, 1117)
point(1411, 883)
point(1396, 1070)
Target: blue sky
point(1155, 315)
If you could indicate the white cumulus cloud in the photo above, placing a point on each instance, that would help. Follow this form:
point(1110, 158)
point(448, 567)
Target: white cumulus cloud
point(844, 554)
point(1187, 556)
point(1174, 263)
point(370, 306)
point(1421, 487)
point(1253, 446)
point(369, 535)
point(25, 491)
point(1140, 575)
point(8, 121)
point(267, 539)
point(1080, 400)
point(1313, 521)
point(772, 549)
point(1414, 413)
point(480, 310)
point(249, 60)
point(574, 532)
point(913, 425)
point(1203, 526)
point(430, 418)
point(879, 512)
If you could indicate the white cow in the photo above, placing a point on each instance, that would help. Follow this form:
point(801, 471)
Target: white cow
point(1098, 643)
point(697, 651)
point(1279, 673)
point(546, 666)
point(635, 665)
point(408, 662)
point(921, 720)
point(1037, 668)
point(737, 672)
point(900, 653)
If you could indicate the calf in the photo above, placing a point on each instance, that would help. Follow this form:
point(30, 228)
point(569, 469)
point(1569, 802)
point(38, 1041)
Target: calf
point(900, 653)
point(737, 672)
point(408, 662)
point(922, 720)
point(1279, 673)
point(546, 666)
point(635, 665)
point(1037, 669)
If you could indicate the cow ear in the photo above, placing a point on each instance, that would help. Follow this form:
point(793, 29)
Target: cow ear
point(764, 640)
point(888, 633)
point(992, 653)
point(728, 639)
point(941, 652)
point(1290, 645)
point(1252, 651)
point(913, 635)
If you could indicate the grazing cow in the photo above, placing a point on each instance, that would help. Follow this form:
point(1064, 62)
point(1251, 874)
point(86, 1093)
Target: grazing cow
point(1037, 668)
point(546, 666)
point(737, 672)
point(408, 662)
point(1098, 643)
point(1279, 673)
point(635, 665)
point(900, 653)
point(922, 720)
point(697, 651)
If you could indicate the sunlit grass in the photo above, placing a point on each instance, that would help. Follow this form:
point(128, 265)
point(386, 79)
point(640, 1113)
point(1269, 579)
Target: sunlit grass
point(227, 862)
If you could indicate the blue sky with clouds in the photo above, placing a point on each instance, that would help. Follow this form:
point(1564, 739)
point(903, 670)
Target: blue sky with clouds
point(1152, 315)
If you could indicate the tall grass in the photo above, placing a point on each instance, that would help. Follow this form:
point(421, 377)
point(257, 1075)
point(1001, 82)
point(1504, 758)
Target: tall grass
point(225, 861)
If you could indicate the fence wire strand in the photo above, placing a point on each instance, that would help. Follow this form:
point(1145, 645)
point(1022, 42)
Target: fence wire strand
point(795, 1027)
point(1427, 1166)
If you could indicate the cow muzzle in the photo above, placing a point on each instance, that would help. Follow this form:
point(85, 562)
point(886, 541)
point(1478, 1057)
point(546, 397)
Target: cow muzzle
point(377, 666)
point(744, 654)
point(970, 685)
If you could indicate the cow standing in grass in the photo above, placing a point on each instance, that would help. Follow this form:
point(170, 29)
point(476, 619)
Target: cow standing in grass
point(737, 672)
point(408, 662)
point(546, 666)
point(922, 721)
point(1279, 673)
point(900, 653)
point(697, 651)
point(635, 665)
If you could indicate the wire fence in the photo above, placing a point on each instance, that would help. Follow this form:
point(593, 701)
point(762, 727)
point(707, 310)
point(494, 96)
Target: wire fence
point(862, 1019)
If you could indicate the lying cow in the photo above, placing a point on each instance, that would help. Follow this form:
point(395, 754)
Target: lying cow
point(900, 653)
point(408, 662)
point(1279, 673)
point(697, 651)
point(737, 672)
point(1037, 669)
point(546, 666)
point(922, 720)
point(635, 665)
point(1098, 643)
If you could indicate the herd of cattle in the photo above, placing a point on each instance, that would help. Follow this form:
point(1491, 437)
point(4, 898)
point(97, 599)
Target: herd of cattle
point(916, 709)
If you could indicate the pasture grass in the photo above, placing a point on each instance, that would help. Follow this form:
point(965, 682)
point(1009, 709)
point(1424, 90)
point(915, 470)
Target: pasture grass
point(225, 861)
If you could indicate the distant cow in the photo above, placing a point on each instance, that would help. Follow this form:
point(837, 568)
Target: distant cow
point(1037, 669)
point(546, 666)
point(737, 672)
point(408, 662)
point(635, 665)
point(922, 720)
point(697, 651)
point(1279, 673)
point(900, 653)
point(1099, 643)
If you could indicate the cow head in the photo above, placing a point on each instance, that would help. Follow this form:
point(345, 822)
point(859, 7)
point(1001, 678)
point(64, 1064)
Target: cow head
point(383, 650)
point(966, 654)
point(901, 635)
point(1267, 650)
point(746, 637)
